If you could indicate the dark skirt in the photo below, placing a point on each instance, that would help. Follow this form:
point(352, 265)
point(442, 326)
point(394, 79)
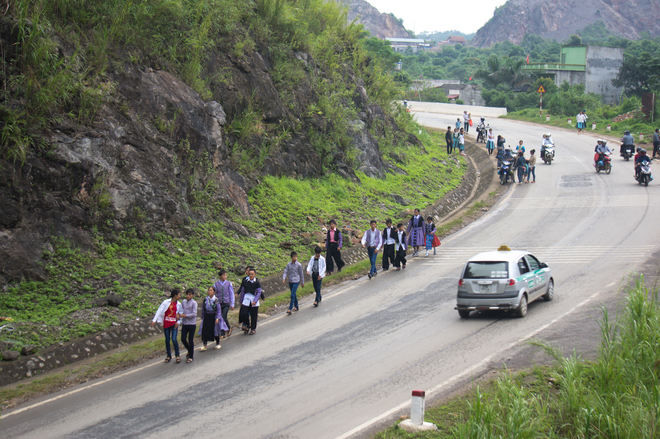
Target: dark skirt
point(208, 327)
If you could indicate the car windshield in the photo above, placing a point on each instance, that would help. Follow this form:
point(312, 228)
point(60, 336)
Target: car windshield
point(486, 270)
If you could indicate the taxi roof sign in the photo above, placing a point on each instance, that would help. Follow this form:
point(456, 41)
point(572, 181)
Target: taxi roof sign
point(504, 248)
point(541, 89)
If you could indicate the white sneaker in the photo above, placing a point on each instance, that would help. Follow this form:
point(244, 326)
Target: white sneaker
point(427, 253)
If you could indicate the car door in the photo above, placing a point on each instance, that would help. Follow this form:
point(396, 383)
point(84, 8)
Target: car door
point(528, 279)
point(539, 274)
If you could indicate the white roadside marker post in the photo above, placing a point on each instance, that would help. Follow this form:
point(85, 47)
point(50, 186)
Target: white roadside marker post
point(416, 422)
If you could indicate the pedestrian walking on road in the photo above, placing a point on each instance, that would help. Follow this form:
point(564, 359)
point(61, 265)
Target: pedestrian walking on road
point(449, 138)
point(490, 145)
point(656, 142)
point(316, 269)
point(249, 294)
point(294, 272)
point(388, 244)
point(372, 241)
point(581, 121)
point(189, 323)
point(212, 323)
point(224, 291)
point(400, 246)
point(168, 315)
point(333, 244)
point(531, 163)
point(466, 121)
point(415, 232)
point(430, 237)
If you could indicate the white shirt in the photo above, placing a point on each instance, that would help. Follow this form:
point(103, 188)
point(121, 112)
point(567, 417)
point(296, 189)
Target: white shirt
point(310, 266)
point(461, 139)
point(375, 239)
point(581, 117)
point(402, 244)
point(389, 231)
point(466, 117)
point(491, 136)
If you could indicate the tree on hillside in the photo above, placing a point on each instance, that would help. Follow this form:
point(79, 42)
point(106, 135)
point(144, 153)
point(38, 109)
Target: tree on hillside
point(503, 71)
point(639, 74)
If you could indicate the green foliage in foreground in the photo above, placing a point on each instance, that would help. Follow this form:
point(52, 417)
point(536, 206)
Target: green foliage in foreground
point(617, 396)
point(140, 268)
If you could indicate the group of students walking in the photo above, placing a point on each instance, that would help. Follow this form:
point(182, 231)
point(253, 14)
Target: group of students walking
point(174, 313)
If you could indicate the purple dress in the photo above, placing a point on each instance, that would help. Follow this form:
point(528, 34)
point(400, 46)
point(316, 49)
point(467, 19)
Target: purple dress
point(211, 308)
point(416, 231)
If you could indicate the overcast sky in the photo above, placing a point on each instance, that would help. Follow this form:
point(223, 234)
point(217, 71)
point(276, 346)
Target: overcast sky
point(466, 16)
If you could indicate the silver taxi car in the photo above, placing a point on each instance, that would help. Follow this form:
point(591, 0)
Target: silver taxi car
point(504, 279)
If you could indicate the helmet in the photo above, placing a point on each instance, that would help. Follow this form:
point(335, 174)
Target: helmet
point(548, 135)
point(642, 151)
point(599, 141)
point(639, 149)
point(483, 118)
point(604, 142)
point(626, 132)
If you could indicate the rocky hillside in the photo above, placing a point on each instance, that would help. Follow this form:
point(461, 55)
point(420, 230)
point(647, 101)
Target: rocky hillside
point(380, 25)
point(145, 145)
point(561, 18)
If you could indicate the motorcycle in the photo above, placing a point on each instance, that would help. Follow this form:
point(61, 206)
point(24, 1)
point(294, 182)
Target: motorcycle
point(505, 171)
point(482, 133)
point(603, 165)
point(644, 175)
point(549, 154)
point(627, 152)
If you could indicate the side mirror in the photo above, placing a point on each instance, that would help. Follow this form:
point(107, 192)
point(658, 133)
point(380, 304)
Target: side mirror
point(544, 265)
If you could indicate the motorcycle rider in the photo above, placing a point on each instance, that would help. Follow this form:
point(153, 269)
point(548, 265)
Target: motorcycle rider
point(639, 160)
point(481, 129)
point(627, 142)
point(547, 141)
point(502, 156)
point(601, 150)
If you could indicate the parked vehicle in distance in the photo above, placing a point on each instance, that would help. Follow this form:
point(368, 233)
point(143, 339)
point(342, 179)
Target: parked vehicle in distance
point(505, 279)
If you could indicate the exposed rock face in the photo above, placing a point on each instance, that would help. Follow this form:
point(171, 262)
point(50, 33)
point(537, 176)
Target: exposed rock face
point(138, 163)
point(561, 18)
point(379, 24)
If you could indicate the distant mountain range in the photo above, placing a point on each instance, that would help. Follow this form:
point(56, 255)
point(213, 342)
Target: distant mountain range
point(379, 24)
point(559, 19)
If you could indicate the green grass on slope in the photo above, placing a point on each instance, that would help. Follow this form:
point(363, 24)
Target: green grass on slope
point(140, 269)
point(616, 396)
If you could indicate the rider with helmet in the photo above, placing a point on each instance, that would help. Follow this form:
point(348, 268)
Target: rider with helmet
point(640, 159)
point(547, 141)
point(627, 142)
point(601, 150)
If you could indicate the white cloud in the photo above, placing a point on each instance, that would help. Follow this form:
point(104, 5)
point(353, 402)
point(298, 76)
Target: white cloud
point(432, 15)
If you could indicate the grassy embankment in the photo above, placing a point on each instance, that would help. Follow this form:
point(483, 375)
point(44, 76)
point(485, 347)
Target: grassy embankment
point(617, 128)
point(139, 270)
point(48, 83)
point(616, 396)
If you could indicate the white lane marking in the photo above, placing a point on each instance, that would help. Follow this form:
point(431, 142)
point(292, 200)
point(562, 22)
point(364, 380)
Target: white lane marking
point(89, 386)
point(465, 372)
point(98, 383)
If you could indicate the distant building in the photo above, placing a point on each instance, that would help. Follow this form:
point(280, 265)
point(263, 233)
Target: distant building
point(593, 66)
point(454, 40)
point(401, 44)
point(468, 93)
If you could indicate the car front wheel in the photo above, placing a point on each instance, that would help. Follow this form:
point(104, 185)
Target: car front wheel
point(522, 308)
point(550, 293)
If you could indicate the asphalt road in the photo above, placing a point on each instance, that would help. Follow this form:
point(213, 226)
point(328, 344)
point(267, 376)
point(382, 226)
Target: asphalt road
point(350, 365)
